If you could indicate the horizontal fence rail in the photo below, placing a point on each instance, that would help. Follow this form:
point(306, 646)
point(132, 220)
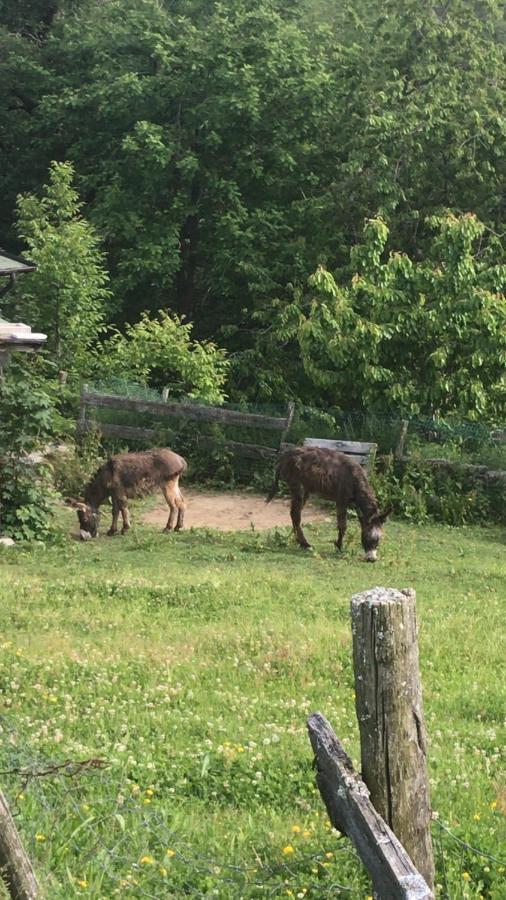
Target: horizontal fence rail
point(186, 410)
point(194, 412)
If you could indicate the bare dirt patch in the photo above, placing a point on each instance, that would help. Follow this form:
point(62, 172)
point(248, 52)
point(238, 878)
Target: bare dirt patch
point(233, 512)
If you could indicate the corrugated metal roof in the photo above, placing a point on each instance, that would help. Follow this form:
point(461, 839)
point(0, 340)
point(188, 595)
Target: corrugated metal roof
point(11, 265)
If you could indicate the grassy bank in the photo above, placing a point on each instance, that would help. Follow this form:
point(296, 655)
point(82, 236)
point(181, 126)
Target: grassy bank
point(190, 664)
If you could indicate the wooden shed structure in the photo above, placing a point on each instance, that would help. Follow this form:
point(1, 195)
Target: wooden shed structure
point(15, 335)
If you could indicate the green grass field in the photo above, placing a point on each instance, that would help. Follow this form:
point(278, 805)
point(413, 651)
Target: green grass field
point(190, 663)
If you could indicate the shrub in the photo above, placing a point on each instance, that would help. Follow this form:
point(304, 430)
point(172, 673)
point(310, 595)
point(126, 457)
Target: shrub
point(29, 420)
point(72, 469)
point(448, 494)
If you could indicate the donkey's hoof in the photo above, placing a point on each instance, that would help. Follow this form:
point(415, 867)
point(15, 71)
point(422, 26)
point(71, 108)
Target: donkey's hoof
point(167, 530)
point(125, 530)
point(306, 546)
point(112, 532)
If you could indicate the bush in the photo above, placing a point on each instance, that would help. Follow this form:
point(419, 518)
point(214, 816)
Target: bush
point(449, 494)
point(72, 469)
point(27, 499)
point(29, 420)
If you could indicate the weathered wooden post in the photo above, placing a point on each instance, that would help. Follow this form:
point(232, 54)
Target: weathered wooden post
point(15, 868)
point(81, 425)
point(390, 715)
point(290, 412)
point(401, 439)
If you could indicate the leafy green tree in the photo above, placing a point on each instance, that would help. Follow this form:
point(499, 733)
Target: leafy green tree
point(419, 336)
point(225, 149)
point(67, 294)
point(160, 350)
point(194, 135)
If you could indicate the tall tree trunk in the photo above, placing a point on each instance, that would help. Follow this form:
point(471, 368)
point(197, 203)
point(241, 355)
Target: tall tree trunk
point(186, 274)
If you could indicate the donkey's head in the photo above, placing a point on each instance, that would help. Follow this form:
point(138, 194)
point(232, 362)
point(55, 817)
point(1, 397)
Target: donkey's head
point(89, 518)
point(372, 532)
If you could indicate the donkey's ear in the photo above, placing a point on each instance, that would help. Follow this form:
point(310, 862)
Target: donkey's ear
point(75, 504)
point(384, 515)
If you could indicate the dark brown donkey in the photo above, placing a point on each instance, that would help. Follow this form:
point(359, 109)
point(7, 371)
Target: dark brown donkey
point(130, 475)
point(333, 476)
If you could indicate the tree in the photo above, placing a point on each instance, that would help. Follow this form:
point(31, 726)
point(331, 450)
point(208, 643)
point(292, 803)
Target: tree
point(160, 351)
point(66, 295)
point(419, 336)
point(225, 149)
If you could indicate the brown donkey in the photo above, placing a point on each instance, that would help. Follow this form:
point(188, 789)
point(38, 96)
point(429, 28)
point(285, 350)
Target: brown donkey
point(333, 476)
point(129, 475)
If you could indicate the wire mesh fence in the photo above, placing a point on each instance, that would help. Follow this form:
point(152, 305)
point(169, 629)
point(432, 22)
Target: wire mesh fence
point(81, 825)
point(206, 442)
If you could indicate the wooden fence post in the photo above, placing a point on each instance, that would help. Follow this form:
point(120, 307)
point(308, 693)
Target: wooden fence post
point(401, 439)
point(82, 410)
point(390, 715)
point(15, 867)
point(290, 412)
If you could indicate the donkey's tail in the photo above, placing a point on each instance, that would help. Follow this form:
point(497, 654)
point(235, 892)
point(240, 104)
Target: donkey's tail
point(274, 486)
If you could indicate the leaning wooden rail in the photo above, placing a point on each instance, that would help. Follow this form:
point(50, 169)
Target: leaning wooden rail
point(350, 810)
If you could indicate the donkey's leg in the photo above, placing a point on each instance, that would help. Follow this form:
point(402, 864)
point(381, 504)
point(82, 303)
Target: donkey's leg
point(181, 507)
point(341, 527)
point(115, 516)
point(169, 494)
point(125, 514)
point(298, 500)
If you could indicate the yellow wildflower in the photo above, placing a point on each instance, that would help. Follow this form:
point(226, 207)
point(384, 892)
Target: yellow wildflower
point(306, 834)
point(288, 850)
point(466, 876)
point(149, 792)
point(82, 883)
point(329, 855)
point(493, 804)
point(40, 837)
point(147, 861)
point(163, 871)
point(295, 829)
point(147, 800)
point(476, 817)
point(170, 852)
